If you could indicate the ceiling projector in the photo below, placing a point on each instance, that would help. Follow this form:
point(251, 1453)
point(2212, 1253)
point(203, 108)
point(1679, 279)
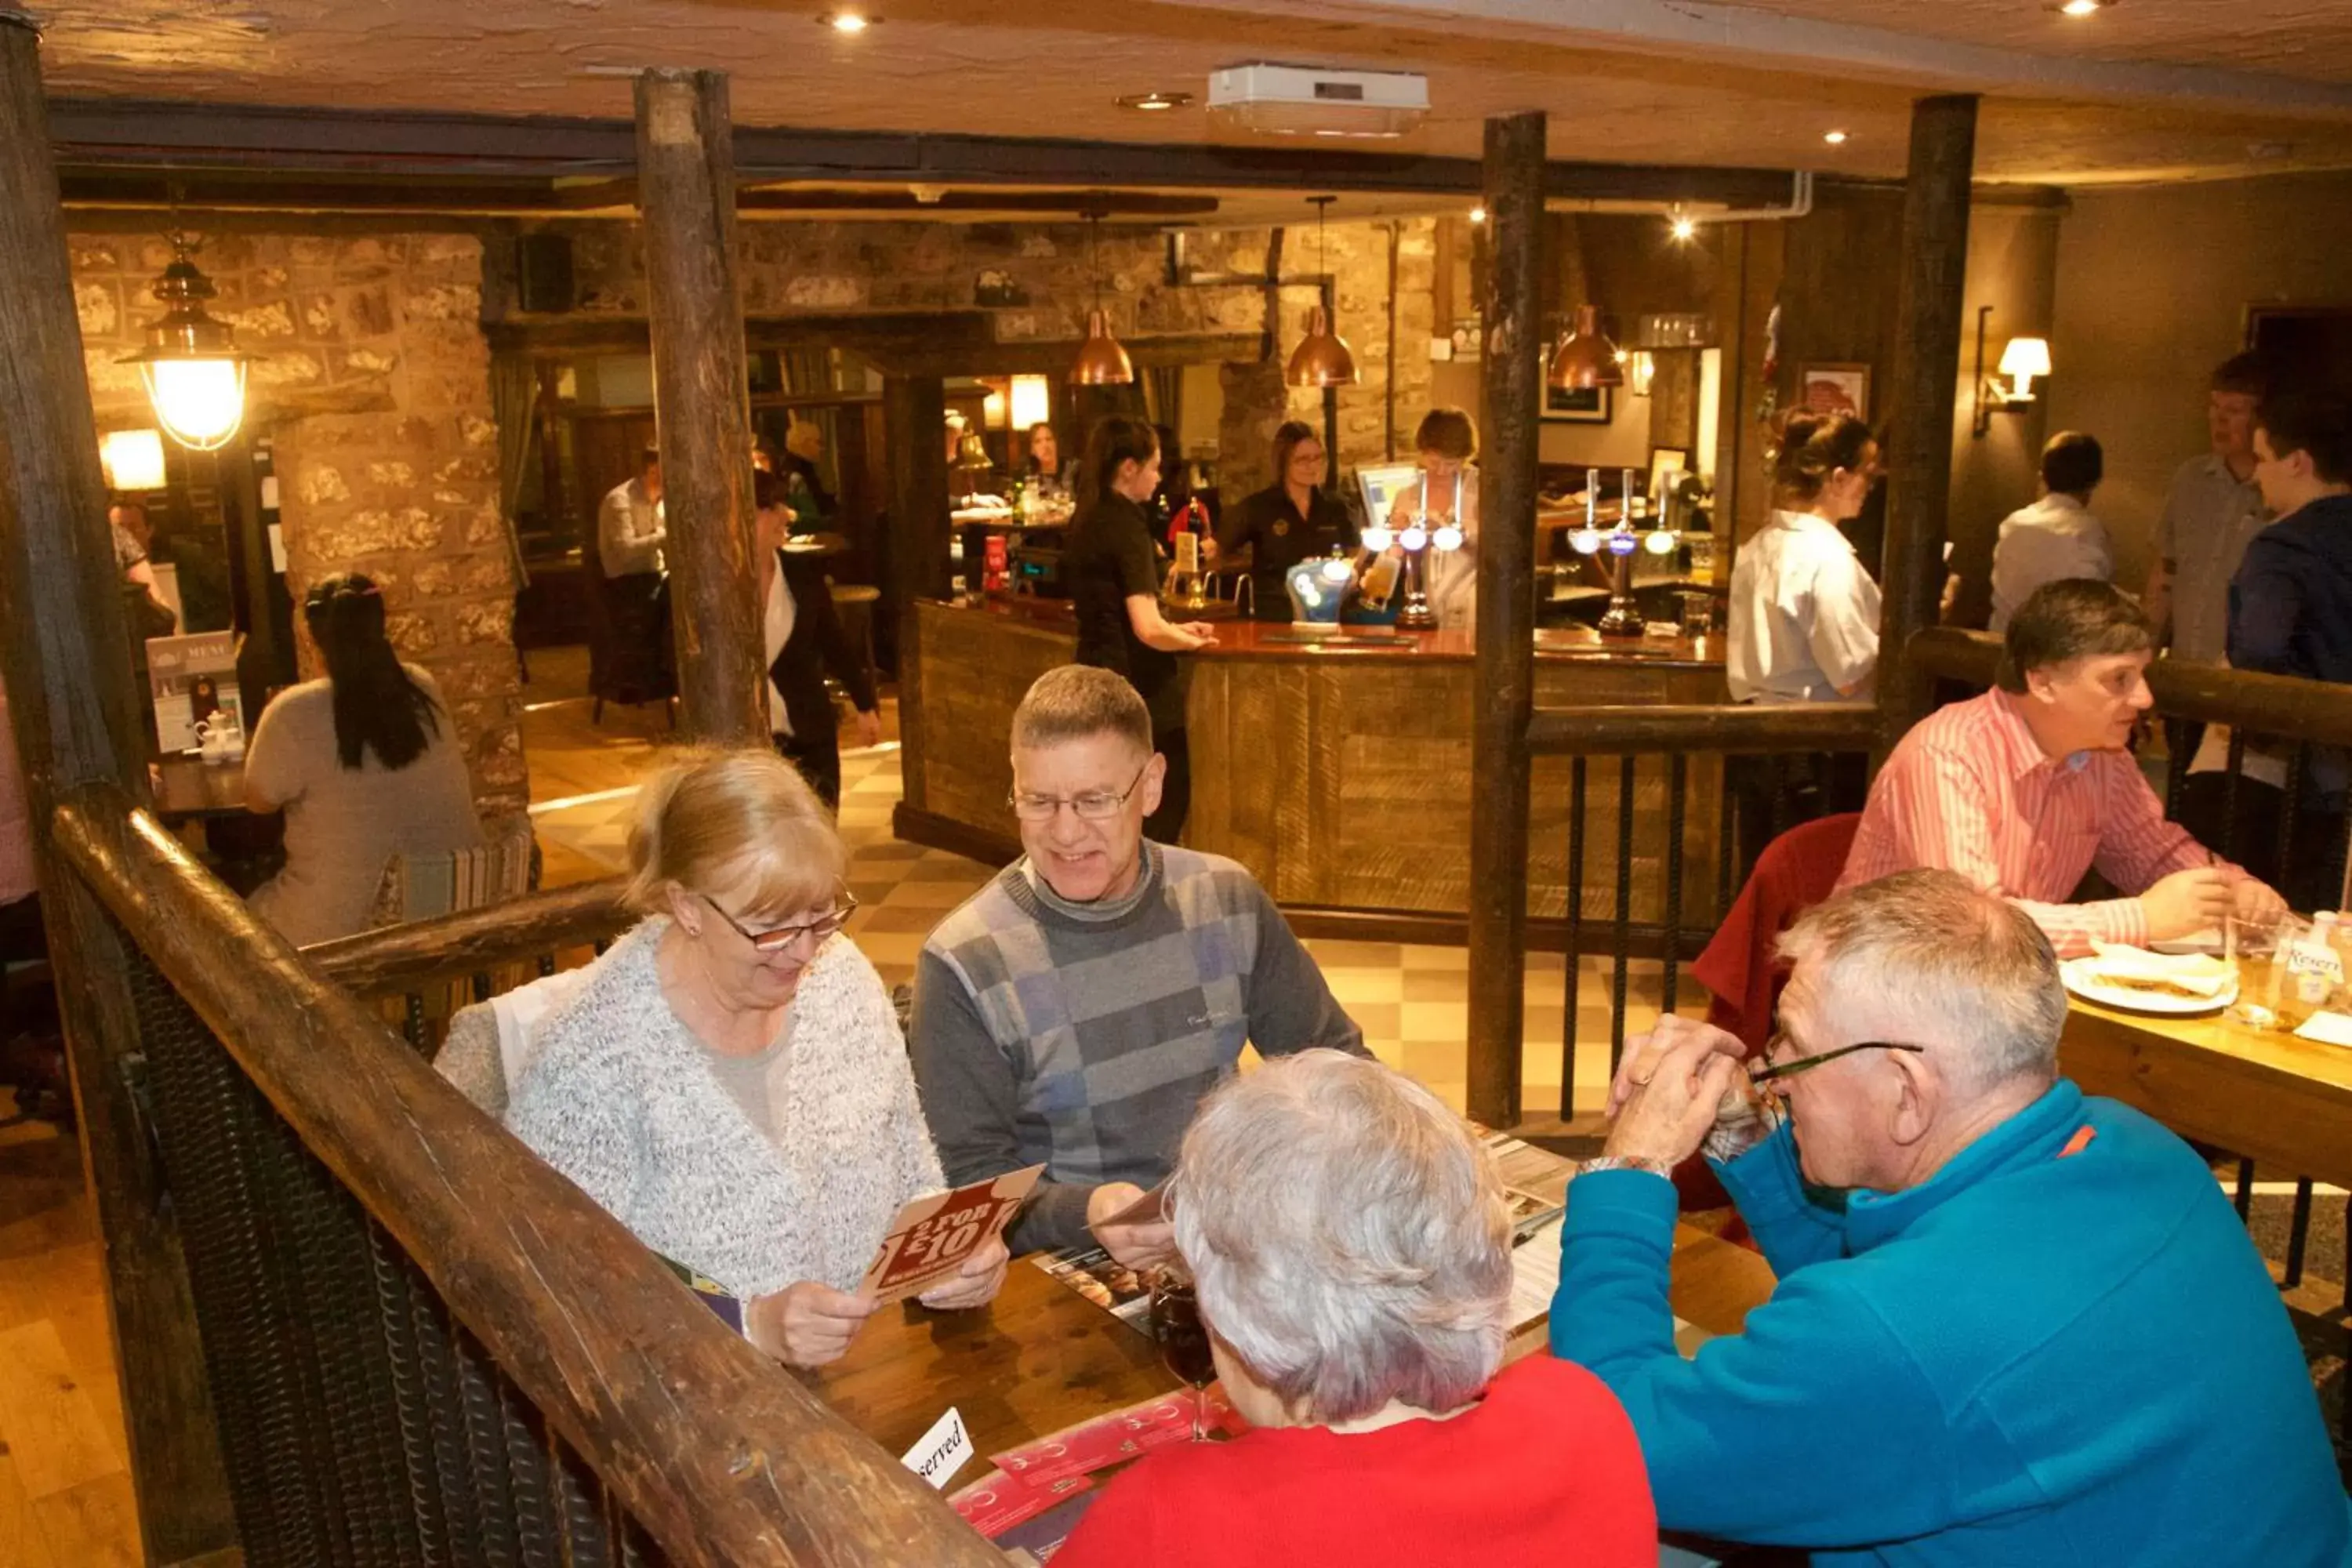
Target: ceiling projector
point(1306, 101)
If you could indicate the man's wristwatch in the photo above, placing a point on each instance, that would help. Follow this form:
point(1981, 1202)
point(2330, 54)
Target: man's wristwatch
point(1623, 1162)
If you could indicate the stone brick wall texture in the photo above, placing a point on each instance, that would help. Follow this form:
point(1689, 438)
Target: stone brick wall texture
point(830, 268)
point(376, 392)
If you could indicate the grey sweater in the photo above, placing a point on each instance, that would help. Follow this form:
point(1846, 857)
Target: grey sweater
point(1085, 1035)
point(619, 1095)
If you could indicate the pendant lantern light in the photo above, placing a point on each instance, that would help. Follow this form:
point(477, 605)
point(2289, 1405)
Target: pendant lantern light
point(1101, 362)
point(1322, 358)
point(1586, 358)
point(195, 374)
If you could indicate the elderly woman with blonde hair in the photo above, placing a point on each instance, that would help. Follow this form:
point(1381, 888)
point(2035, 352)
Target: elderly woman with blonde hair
point(1351, 1253)
point(729, 1079)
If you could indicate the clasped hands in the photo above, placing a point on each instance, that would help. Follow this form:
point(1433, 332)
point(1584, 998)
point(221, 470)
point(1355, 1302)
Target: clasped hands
point(1681, 1087)
point(809, 1324)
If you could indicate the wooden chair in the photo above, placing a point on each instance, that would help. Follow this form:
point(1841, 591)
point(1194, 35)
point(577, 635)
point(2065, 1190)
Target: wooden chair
point(417, 887)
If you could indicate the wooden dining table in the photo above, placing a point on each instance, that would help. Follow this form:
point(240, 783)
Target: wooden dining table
point(1041, 1357)
point(2262, 1094)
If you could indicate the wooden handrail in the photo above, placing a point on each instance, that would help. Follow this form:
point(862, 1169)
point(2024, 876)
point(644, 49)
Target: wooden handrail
point(402, 957)
point(723, 1458)
point(1757, 727)
point(2318, 712)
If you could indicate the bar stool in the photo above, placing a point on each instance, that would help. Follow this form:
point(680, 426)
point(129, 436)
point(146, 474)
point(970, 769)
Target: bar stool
point(854, 603)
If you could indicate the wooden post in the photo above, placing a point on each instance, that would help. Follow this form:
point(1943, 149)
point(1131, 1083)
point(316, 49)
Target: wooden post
point(1499, 768)
point(66, 653)
point(914, 423)
point(685, 190)
point(1929, 304)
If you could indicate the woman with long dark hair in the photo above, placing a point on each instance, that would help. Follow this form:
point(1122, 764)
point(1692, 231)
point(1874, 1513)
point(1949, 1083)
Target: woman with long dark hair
point(1112, 566)
point(365, 764)
point(1804, 611)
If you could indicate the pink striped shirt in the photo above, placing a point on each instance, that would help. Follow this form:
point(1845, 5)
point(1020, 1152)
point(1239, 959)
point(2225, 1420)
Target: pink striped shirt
point(1969, 790)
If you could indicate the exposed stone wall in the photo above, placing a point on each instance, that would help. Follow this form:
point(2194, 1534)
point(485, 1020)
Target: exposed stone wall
point(376, 391)
point(849, 267)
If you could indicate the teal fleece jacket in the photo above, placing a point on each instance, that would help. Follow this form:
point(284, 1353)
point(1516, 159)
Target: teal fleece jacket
point(2052, 1352)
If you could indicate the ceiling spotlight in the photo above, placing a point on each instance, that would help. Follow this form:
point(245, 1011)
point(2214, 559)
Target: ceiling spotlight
point(1834, 137)
point(1477, 215)
point(1685, 226)
point(2082, 7)
point(849, 22)
point(1155, 102)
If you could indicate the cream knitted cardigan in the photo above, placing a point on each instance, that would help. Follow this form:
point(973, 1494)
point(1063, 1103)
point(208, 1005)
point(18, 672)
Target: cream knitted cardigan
point(616, 1096)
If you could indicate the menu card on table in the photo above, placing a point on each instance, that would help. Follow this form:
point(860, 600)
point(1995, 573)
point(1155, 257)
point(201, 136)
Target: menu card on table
point(190, 678)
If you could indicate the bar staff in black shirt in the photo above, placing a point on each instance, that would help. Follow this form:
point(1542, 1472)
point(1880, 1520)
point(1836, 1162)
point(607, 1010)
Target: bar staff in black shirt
point(1290, 521)
point(1111, 565)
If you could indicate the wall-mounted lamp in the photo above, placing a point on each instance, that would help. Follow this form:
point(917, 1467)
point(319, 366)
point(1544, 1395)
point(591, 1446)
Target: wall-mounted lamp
point(1033, 402)
point(1641, 370)
point(2021, 360)
point(134, 460)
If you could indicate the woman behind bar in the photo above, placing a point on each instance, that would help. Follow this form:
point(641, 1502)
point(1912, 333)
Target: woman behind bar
point(365, 764)
point(1447, 442)
point(1352, 1254)
point(1290, 521)
point(1112, 566)
point(729, 1080)
point(1804, 611)
point(1044, 466)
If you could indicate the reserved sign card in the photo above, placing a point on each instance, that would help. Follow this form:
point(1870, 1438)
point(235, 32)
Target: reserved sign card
point(932, 1237)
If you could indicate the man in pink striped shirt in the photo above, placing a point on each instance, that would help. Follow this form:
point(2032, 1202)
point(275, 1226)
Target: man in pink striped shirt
point(2025, 788)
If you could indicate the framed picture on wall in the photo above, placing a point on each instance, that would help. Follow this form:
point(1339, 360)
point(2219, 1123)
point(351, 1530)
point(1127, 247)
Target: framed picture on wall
point(1834, 389)
point(1591, 405)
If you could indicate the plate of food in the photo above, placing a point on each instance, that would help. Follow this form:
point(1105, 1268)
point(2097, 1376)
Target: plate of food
point(2133, 978)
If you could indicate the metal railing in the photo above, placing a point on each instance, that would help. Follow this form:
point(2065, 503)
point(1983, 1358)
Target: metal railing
point(423, 1344)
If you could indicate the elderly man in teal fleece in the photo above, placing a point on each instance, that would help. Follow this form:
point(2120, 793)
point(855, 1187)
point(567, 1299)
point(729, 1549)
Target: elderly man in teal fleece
point(2014, 1325)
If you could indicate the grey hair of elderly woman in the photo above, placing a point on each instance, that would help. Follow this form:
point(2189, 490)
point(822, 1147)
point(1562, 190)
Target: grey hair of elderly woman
point(1349, 1236)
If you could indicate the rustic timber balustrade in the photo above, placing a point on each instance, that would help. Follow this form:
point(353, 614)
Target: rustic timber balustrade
point(1690, 851)
point(424, 1345)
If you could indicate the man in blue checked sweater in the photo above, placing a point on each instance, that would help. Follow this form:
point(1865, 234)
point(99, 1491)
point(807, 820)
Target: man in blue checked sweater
point(2032, 1333)
point(1075, 1010)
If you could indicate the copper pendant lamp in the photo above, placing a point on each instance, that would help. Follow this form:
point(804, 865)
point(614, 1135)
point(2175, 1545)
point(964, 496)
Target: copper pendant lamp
point(1322, 358)
point(1586, 358)
point(1101, 362)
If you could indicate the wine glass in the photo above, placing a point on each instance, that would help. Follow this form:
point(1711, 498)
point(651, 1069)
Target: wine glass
point(1184, 1339)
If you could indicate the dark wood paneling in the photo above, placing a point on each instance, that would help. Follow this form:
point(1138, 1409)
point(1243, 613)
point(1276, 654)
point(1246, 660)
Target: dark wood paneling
point(73, 703)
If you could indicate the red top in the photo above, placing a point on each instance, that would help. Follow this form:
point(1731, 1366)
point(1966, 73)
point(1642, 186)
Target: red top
point(1544, 1470)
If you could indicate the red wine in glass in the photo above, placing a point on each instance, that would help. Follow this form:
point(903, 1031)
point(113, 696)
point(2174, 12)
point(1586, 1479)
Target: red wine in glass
point(1184, 1340)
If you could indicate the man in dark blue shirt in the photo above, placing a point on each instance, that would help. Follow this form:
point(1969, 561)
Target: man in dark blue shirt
point(2291, 606)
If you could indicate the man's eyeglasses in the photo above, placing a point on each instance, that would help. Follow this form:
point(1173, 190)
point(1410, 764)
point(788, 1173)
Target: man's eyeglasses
point(782, 937)
point(1095, 805)
point(1773, 1046)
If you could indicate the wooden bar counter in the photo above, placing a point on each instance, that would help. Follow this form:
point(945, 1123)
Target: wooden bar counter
point(1335, 770)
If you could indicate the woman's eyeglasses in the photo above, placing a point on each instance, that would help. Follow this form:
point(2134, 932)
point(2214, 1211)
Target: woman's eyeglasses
point(1773, 1047)
point(1096, 806)
point(780, 937)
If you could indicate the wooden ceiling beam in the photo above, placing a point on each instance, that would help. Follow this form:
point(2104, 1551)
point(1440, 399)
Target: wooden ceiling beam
point(97, 133)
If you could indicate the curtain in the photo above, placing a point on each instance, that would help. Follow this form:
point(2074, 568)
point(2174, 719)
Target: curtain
point(514, 403)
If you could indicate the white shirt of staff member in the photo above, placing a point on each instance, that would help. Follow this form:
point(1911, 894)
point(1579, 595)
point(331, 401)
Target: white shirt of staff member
point(1804, 611)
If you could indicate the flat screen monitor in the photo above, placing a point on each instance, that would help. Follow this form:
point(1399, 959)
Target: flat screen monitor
point(1381, 486)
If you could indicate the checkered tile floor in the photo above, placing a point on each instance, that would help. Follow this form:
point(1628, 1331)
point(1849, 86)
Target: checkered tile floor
point(1410, 1000)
